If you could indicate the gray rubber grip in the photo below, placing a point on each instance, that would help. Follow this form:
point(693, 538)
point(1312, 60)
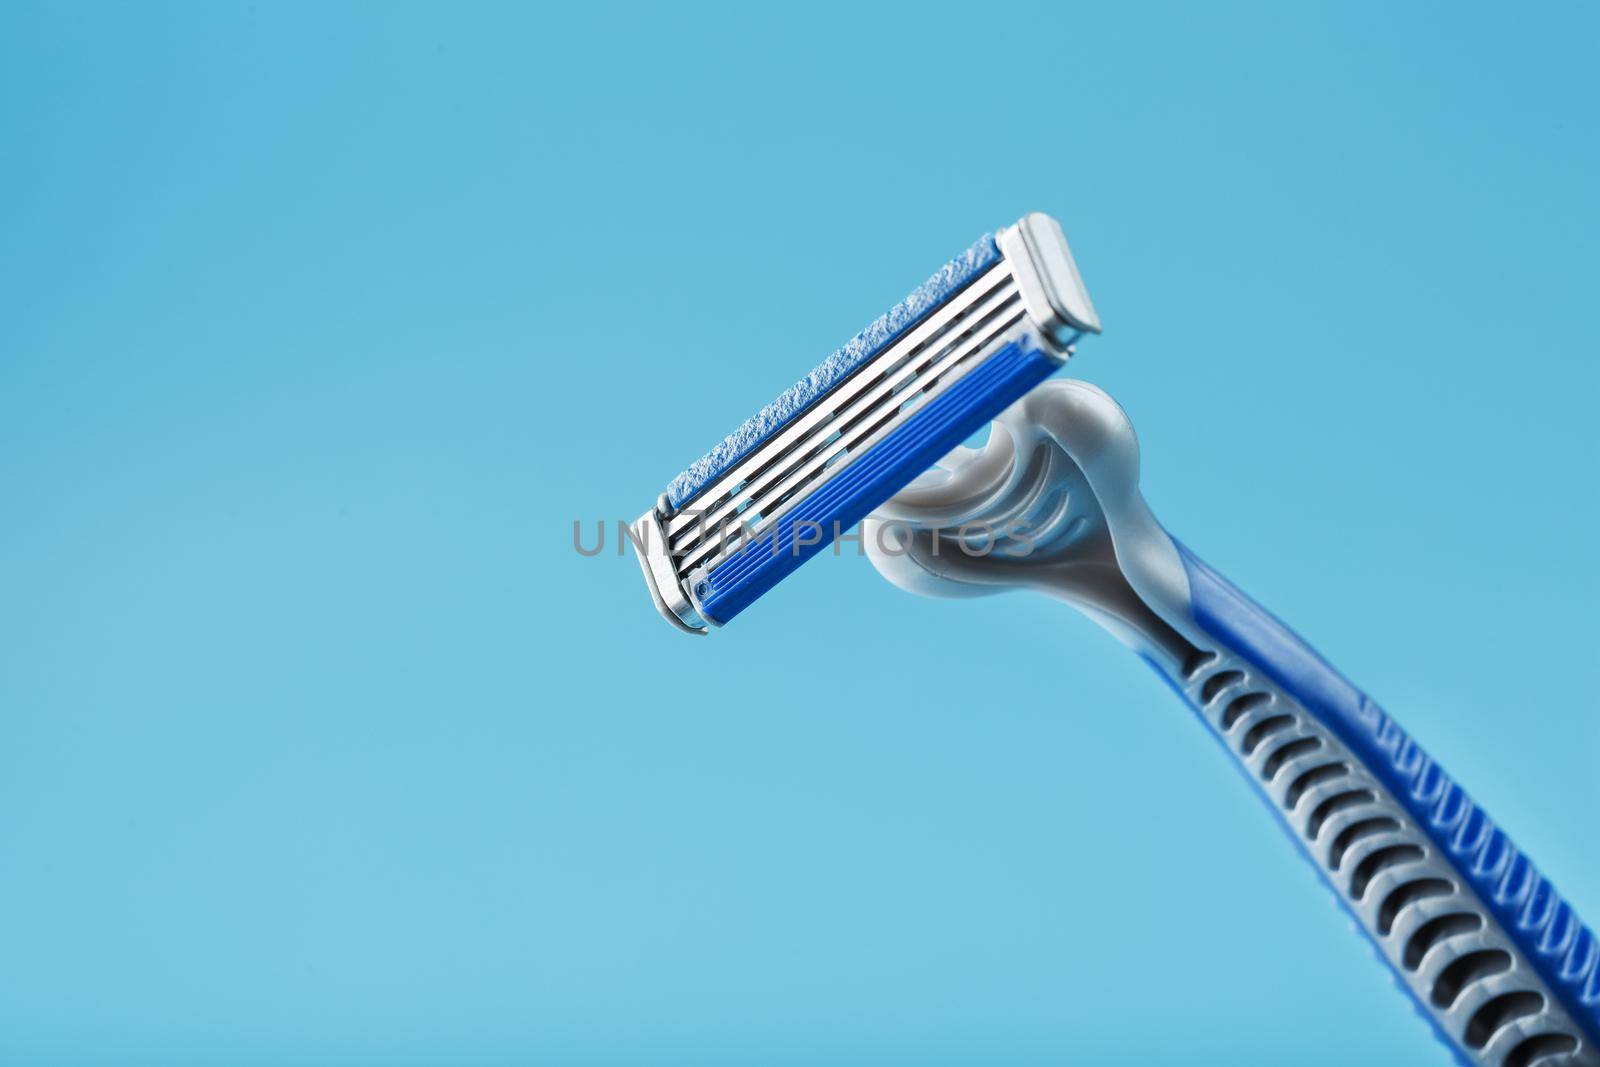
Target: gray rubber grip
point(1466, 974)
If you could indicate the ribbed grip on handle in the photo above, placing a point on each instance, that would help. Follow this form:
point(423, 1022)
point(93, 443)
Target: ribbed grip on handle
point(1493, 956)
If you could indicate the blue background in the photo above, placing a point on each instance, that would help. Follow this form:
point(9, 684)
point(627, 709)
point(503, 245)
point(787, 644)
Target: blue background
point(319, 326)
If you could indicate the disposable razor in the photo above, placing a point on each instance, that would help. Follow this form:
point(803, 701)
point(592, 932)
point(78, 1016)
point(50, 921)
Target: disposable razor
point(1500, 966)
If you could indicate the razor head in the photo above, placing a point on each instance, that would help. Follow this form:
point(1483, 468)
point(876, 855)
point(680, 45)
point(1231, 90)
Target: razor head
point(993, 323)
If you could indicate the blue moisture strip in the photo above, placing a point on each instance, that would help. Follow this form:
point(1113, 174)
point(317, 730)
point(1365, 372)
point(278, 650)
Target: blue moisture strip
point(872, 478)
point(951, 278)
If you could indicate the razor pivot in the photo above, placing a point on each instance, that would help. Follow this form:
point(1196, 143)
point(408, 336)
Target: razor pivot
point(992, 324)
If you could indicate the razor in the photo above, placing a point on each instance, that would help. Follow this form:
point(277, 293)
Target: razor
point(1500, 966)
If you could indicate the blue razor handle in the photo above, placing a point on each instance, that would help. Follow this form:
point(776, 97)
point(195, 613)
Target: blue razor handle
point(1499, 964)
point(1497, 960)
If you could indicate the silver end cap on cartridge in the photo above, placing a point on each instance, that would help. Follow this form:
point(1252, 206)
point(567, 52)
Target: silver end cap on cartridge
point(651, 545)
point(1048, 279)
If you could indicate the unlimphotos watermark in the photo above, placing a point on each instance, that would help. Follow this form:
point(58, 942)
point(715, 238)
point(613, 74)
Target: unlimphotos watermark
point(804, 537)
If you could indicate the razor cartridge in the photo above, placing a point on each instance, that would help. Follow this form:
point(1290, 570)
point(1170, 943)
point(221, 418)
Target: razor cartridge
point(966, 344)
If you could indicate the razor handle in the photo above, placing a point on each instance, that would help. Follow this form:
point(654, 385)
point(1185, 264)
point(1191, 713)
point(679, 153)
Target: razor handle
point(1501, 966)
point(1493, 958)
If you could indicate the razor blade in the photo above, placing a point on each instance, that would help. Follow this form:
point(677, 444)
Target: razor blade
point(970, 341)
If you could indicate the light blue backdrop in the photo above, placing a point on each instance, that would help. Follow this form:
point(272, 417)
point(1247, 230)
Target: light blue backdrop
point(319, 326)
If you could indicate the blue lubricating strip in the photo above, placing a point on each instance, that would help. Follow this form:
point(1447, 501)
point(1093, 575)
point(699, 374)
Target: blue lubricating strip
point(872, 478)
point(950, 278)
point(1546, 928)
